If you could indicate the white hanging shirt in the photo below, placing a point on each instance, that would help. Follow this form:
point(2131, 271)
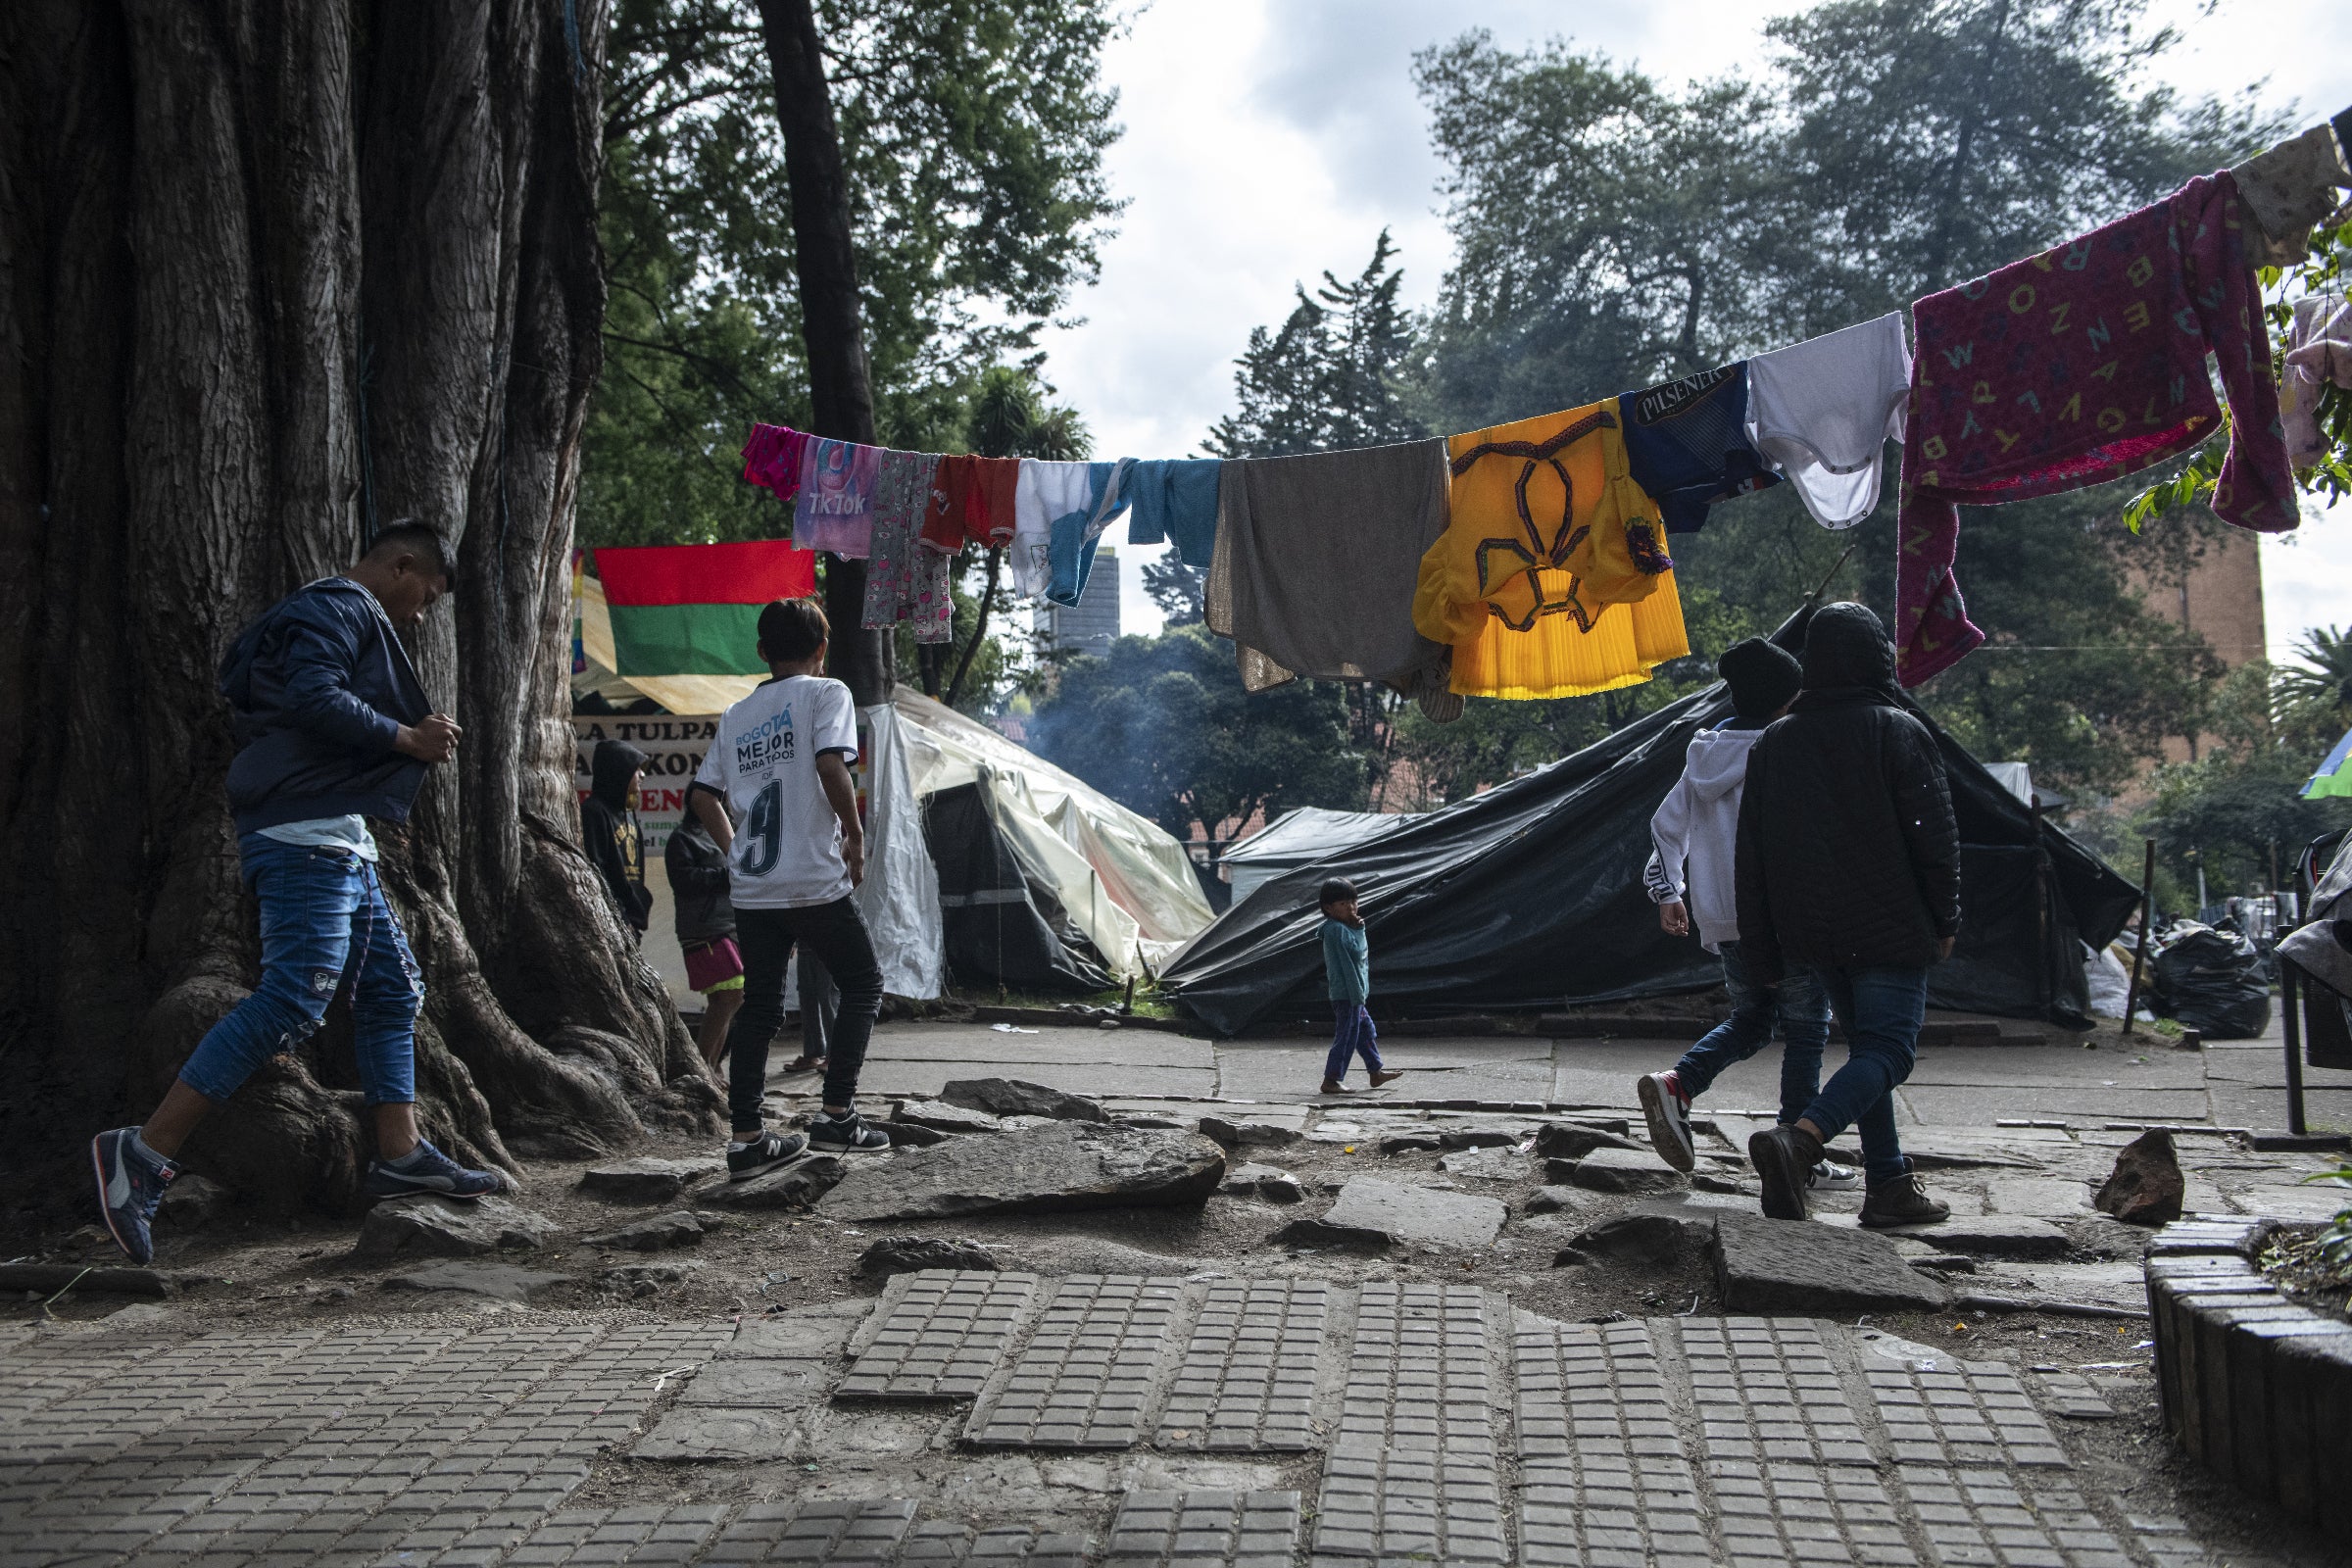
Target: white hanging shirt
point(1823, 411)
point(1044, 492)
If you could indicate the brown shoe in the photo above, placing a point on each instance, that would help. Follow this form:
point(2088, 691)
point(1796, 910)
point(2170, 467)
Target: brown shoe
point(1903, 1201)
point(1783, 1157)
point(1334, 1087)
point(1387, 1076)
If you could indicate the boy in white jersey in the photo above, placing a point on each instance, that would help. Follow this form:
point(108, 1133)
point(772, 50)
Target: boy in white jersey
point(781, 760)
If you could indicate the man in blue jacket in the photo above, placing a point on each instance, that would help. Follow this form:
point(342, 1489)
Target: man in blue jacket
point(332, 728)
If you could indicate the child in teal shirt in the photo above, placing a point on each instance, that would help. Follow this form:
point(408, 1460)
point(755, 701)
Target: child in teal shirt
point(1347, 966)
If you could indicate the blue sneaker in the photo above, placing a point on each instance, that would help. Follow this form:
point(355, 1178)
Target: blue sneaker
point(130, 1184)
point(429, 1171)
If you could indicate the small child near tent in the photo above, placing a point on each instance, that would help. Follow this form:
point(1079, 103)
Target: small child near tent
point(1347, 966)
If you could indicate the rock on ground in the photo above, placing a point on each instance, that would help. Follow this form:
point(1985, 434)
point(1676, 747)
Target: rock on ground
point(1248, 1134)
point(424, 1226)
point(1993, 1236)
point(1798, 1266)
point(644, 1277)
point(191, 1203)
point(2145, 1188)
point(1554, 1201)
point(646, 1181)
point(911, 1255)
point(794, 1186)
point(939, 1116)
point(1013, 1096)
point(1567, 1141)
point(1647, 1240)
point(1048, 1168)
point(655, 1233)
point(1371, 1208)
point(1626, 1170)
point(500, 1281)
point(1264, 1181)
point(912, 1135)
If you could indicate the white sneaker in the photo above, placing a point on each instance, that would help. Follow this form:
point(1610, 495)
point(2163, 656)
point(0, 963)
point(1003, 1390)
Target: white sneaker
point(1831, 1177)
point(1669, 1117)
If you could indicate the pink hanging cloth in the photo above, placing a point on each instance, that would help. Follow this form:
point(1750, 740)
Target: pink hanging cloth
point(771, 459)
point(2076, 367)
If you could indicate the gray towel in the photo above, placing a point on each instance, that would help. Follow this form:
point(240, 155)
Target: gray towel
point(1316, 560)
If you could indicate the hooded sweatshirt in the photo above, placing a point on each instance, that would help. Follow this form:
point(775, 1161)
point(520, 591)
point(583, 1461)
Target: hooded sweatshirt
point(1850, 855)
point(1698, 823)
point(608, 830)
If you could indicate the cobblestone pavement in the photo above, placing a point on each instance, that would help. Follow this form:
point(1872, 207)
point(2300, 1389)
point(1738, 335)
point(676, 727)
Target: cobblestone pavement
point(1394, 1422)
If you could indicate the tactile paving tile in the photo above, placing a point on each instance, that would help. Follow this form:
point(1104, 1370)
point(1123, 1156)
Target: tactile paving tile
point(1767, 1391)
point(2070, 1394)
point(940, 1544)
point(828, 1531)
point(943, 1337)
point(1086, 1374)
point(1974, 1516)
point(1976, 1414)
point(1246, 1380)
point(1600, 1508)
point(1413, 1466)
point(1204, 1530)
point(2167, 1541)
point(1593, 1388)
point(1834, 1516)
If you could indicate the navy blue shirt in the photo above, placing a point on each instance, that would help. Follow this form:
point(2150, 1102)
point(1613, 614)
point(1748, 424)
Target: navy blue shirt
point(1687, 444)
point(320, 687)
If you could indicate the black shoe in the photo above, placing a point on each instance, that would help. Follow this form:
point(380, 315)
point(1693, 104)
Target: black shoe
point(1904, 1201)
point(765, 1153)
point(846, 1135)
point(1783, 1157)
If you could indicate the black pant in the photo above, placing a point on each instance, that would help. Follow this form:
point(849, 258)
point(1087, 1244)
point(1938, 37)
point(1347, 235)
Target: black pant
point(836, 933)
point(820, 1006)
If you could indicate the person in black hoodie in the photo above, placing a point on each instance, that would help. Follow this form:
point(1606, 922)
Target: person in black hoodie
point(1848, 864)
point(706, 922)
point(609, 829)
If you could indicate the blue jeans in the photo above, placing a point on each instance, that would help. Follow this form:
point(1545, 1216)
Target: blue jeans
point(1881, 1010)
point(1803, 1014)
point(325, 926)
point(1355, 1036)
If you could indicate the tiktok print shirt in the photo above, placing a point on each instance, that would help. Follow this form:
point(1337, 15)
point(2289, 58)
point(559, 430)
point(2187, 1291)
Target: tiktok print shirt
point(787, 853)
point(2076, 367)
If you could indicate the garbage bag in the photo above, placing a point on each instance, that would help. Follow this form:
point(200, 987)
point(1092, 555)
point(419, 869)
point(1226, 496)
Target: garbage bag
point(2108, 981)
point(2212, 981)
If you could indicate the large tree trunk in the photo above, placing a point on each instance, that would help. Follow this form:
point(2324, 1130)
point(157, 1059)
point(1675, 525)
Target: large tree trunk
point(841, 394)
point(276, 274)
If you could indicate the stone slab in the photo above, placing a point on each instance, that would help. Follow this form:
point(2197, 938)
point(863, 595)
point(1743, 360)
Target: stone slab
point(695, 1435)
point(941, 1336)
point(655, 1233)
point(1626, 1170)
point(1783, 1266)
point(445, 1227)
point(646, 1181)
point(1487, 1164)
point(499, 1281)
point(1053, 1167)
point(1246, 1382)
point(1199, 1529)
point(1373, 1208)
point(1086, 1376)
point(1017, 1096)
point(794, 1186)
point(1992, 1236)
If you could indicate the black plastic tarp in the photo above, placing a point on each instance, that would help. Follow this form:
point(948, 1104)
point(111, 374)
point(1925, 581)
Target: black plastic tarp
point(999, 926)
point(1530, 896)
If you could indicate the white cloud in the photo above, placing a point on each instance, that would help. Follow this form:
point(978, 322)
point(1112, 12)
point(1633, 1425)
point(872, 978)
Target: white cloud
point(1268, 140)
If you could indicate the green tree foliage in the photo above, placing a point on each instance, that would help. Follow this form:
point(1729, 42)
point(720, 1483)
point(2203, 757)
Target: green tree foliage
point(973, 133)
point(2318, 687)
point(1612, 233)
point(1330, 375)
point(1163, 726)
point(1180, 591)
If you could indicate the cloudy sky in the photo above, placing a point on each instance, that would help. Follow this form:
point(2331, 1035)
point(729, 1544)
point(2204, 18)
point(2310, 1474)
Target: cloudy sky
point(1268, 140)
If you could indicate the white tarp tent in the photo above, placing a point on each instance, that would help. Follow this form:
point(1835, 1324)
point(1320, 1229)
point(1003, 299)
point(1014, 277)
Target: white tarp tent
point(1302, 837)
point(1125, 882)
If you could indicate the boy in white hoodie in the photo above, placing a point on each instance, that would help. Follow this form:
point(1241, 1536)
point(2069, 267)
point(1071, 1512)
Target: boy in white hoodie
point(1697, 826)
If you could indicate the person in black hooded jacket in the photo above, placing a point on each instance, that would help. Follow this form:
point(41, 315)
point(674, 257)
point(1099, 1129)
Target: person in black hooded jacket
point(1848, 864)
point(609, 829)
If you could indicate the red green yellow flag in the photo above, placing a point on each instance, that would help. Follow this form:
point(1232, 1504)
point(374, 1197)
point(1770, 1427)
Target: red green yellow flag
point(694, 609)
